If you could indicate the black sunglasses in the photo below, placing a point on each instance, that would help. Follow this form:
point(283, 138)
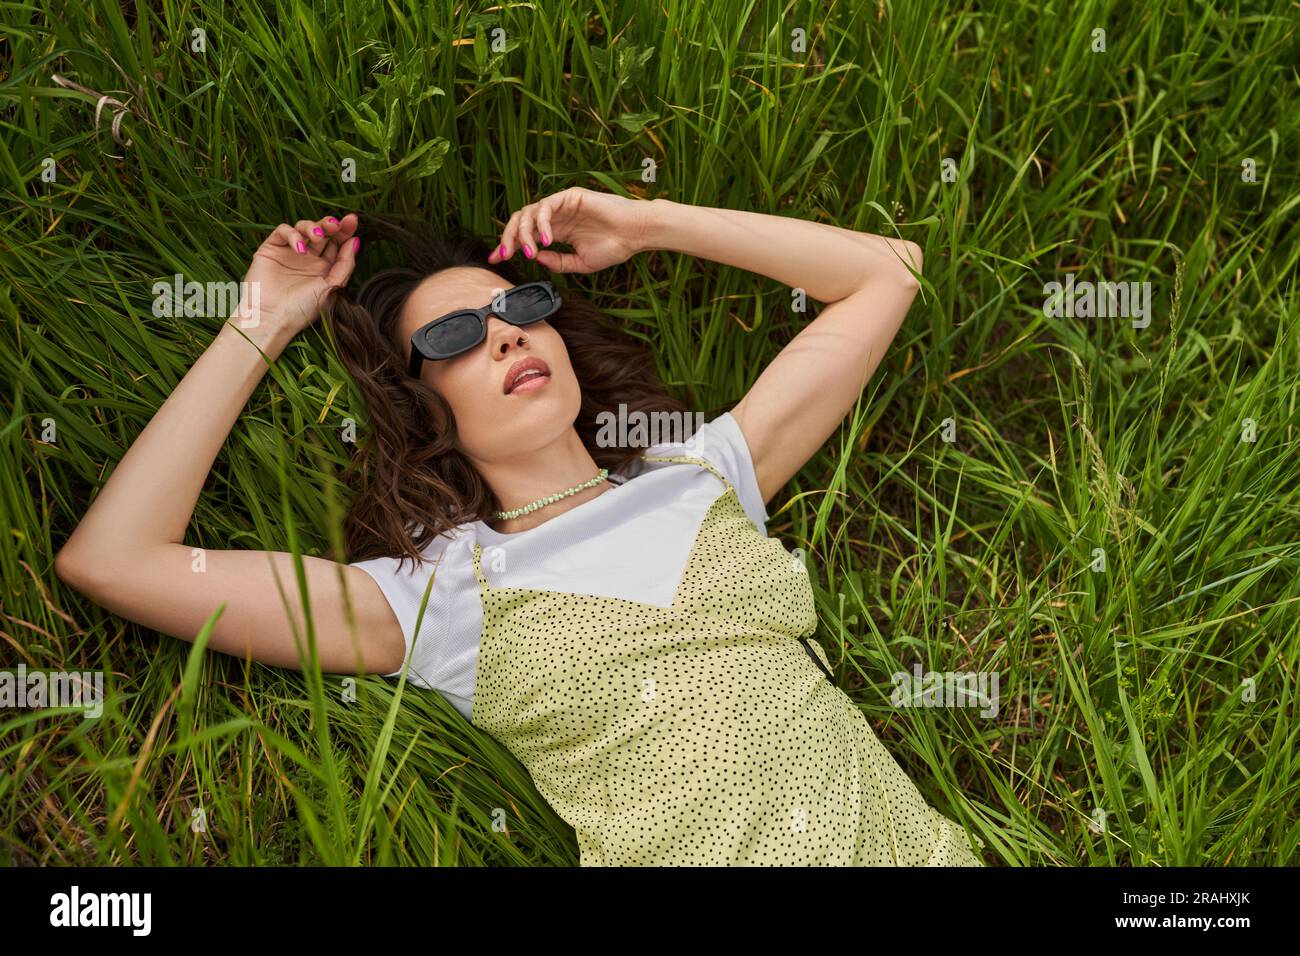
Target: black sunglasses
point(464, 329)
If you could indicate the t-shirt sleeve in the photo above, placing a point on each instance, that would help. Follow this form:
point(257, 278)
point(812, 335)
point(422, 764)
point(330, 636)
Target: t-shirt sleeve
point(404, 592)
point(722, 444)
point(443, 649)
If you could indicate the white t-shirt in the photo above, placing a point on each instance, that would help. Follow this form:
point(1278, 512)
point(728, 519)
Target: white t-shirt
point(632, 542)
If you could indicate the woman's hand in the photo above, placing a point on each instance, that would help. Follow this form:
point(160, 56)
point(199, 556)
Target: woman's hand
point(603, 229)
point(291, 273)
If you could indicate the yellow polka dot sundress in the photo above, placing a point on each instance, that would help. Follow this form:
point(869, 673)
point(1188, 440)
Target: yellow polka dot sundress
point(704, 733)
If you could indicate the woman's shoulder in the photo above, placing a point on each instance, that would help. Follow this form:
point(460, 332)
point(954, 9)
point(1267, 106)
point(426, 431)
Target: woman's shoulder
point(435, 601)
point(719, 443)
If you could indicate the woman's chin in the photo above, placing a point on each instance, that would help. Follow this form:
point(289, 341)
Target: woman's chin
point(542, 410)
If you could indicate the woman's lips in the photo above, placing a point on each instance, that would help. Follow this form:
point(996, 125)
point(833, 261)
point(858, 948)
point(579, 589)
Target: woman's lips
point(526, 375)
point(531, 384)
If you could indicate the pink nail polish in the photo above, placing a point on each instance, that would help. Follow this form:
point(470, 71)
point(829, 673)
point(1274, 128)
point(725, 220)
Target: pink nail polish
point(301, 247)
point(503, 252)
point(318, 230)
point(356, 243)
point(546, 240)
point(528, 250)
point(331, 219)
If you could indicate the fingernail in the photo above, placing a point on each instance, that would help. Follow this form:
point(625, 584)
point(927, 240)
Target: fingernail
point(318, 230)
point(331, 219)
point(546, 240)
point(502, 253)
point(528, 250)
point(356, 243)
point(301, 247)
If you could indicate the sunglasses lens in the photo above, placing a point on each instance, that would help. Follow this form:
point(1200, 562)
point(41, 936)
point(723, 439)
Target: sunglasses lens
point(524, 305)
point(456, 333)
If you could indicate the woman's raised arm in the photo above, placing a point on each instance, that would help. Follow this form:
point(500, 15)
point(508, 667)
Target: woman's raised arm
point(869, 283)
point(799, 400)
point(128, 555)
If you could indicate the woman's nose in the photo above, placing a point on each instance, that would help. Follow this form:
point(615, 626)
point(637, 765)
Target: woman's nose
point(505, 337)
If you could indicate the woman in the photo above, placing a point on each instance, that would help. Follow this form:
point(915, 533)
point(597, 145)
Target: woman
point(615, 615)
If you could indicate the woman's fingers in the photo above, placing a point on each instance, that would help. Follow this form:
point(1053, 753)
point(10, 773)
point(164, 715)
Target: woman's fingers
point(347, 227)
point(527, 236)
point(287, 236)
point(544, 232)
point(532, 228)
point(521, 232)
point(316, 238)
point(506, 248)
point(344, 236)
point(345, 260)
point(562, 261)
point(337, 234)
point(324, 237)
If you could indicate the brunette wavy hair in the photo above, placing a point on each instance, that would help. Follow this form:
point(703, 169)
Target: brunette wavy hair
point(409, 481)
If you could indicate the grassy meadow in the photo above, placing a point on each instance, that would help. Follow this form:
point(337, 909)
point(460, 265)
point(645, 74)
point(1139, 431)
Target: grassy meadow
point(1102, 511)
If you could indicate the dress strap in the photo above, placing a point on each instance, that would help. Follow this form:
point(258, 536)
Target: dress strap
point(690, 460)
point(478, 567)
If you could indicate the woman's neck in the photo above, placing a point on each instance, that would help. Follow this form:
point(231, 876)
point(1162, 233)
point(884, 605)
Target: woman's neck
point(549, 470)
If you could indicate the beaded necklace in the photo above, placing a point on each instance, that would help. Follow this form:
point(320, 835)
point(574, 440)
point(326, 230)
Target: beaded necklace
point(551, 499)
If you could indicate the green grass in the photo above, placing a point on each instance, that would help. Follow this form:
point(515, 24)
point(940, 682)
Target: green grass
point(1121, 690)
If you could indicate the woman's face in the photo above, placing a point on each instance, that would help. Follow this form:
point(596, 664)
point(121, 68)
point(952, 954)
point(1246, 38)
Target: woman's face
point(499, 416)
